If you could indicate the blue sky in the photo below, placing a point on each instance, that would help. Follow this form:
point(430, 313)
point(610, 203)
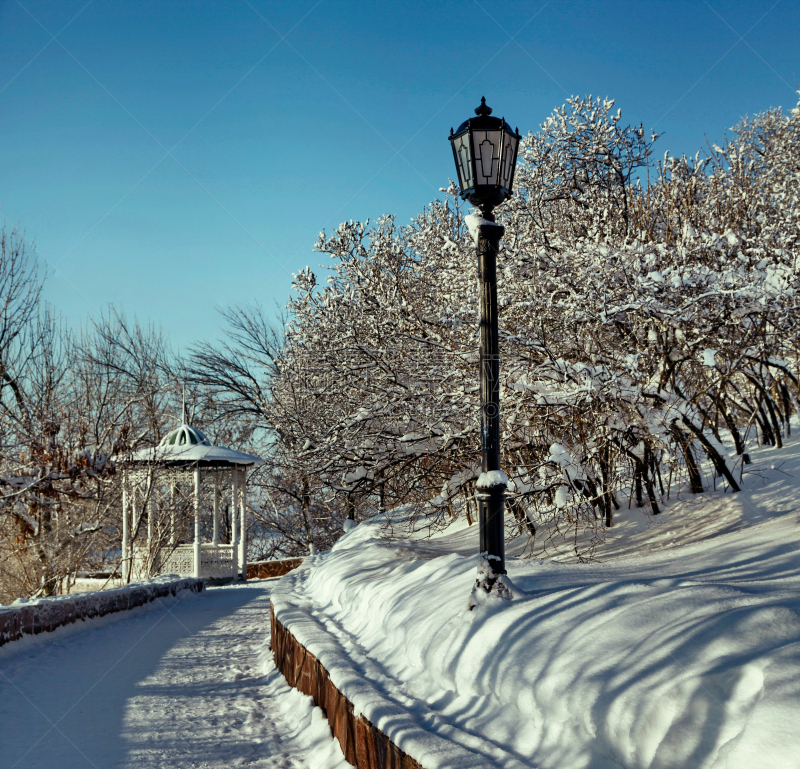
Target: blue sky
point(173, 158)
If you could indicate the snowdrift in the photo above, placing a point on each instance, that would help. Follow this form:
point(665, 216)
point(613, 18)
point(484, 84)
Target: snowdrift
point(678, 647)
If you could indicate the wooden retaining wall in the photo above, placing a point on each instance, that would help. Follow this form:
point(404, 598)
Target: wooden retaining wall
point(267, 569)
point(46, 615)
point(363, 745)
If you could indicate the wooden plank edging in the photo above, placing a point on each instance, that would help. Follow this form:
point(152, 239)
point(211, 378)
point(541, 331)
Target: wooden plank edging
point(364, 745)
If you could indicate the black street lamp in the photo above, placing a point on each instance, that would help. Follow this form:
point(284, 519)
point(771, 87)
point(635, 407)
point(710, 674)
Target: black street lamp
point(485, 151)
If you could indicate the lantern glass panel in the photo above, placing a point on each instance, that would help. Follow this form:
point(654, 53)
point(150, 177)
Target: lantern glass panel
point(486, 145)
point(510, 142)
point(464, 160)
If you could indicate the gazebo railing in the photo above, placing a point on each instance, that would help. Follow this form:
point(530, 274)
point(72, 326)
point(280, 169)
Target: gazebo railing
point(215, 560)
point(179, 561)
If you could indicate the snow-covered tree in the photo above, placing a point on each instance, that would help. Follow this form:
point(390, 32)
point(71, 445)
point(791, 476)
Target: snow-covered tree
point(648, 312)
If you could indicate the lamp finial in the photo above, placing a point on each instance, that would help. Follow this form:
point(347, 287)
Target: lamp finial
point(483, 109)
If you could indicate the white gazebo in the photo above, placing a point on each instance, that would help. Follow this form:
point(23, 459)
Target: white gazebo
point(157, 536)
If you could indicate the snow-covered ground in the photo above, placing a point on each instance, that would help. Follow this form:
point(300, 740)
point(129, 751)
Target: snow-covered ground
point(181, 682)
point(678, 647)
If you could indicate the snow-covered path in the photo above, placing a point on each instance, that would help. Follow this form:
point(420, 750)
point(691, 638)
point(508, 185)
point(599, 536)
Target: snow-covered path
point(177, 683)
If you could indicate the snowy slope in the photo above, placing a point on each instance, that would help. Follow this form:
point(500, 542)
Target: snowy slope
point(181, 682)
point(678, 647)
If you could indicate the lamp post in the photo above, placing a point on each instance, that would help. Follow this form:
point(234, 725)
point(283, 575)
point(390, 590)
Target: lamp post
point(485, 153)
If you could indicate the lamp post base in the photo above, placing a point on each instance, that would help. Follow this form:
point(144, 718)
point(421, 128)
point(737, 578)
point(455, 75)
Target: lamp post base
point(491, 504)
point(490, 586)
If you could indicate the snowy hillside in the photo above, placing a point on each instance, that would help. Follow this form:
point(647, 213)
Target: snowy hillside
point(678, 647)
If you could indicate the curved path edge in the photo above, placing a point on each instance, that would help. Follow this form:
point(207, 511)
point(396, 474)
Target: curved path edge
point(363, 745)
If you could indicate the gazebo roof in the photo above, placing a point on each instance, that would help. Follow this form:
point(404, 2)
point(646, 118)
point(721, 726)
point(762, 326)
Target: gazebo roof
point(188, 445)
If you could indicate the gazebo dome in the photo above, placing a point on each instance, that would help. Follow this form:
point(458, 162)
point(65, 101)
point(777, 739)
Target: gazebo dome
point(185, 436)
point(186, 445)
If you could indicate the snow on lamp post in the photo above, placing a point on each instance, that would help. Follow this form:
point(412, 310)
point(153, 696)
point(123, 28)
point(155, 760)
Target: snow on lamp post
point(485, 153)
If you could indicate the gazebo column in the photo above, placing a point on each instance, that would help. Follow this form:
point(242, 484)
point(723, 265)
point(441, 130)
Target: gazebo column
point(215, 538)
point(148, 560)
point(135, 523)
point(243, 534)
point(197, 561)
point(125, 566)
point(234, 512)
point(147, 509)
point(173, 533)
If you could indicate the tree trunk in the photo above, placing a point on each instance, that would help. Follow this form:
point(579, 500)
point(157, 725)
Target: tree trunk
point(695, 479)
point(648, 463)
point(732, 428)
point(719, 462)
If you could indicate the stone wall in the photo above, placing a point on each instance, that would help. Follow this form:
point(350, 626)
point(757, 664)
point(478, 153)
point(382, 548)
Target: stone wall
point(363, 745)
point(43, 615)
point(267, 569)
